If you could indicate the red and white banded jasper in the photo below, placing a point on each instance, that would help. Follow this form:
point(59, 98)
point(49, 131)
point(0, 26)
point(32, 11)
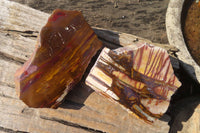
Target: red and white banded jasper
point(139, 77)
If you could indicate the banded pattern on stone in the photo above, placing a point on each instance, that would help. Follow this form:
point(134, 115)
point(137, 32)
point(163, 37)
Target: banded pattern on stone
point(64, 49)
point(139, 77)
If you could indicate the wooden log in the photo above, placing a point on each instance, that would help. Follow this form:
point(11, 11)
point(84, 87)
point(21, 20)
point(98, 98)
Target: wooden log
point(83, 110)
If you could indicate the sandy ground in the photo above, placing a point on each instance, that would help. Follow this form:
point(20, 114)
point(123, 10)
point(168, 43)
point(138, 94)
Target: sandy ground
point(144, 18)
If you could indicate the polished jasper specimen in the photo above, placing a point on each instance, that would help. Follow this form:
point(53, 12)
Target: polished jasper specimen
point(139, 77)
point(64, 49)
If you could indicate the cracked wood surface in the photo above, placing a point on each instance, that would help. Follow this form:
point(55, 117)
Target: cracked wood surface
point(83, 110)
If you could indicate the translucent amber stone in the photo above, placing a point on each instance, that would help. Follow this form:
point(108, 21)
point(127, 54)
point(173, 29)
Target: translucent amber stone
point(64, 49)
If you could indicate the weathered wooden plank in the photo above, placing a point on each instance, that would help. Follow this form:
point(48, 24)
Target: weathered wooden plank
point(98, 116)
point(103, 120)
point(20, 18)
point(15, 46)
point(119, 38)
point(18, 118)
point(125, 39)
point(6, 91)
point(7, 71)
point(97, 112)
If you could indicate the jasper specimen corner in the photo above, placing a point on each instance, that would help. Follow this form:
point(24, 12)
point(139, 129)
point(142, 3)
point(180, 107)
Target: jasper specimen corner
point(139, 77)
point(64, 49)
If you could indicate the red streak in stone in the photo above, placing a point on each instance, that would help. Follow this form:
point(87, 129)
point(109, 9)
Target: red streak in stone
point(56, 58)
point(153, 63)
point(141, 51)
point(165, 77)
point(172, 80)
point(56, 16)
point(89, 37)
point(158, 61)
point(78, 76)
point(158, 101)
point(24, 74)
point(149, 102)
point(41, 106)
point(164, 64)
point(149, 60)
point(37, 76)
point(160, 68)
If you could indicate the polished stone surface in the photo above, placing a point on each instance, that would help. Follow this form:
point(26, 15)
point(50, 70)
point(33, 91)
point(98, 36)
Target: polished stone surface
point(139, 77)
point(64, 49)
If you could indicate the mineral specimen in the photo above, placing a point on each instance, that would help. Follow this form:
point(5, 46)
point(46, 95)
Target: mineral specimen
point(64, 49)
point(139, 77)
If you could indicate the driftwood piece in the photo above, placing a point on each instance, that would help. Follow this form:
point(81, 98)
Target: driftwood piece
point(83, 110)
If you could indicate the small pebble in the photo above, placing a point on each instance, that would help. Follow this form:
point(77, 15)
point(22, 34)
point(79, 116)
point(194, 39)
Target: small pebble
point(135, 40)
point(123, 17)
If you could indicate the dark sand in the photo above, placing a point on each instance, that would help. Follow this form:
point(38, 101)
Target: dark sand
point(145, 18)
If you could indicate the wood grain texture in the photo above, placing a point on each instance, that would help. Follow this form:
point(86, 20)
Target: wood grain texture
point(83, 110)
